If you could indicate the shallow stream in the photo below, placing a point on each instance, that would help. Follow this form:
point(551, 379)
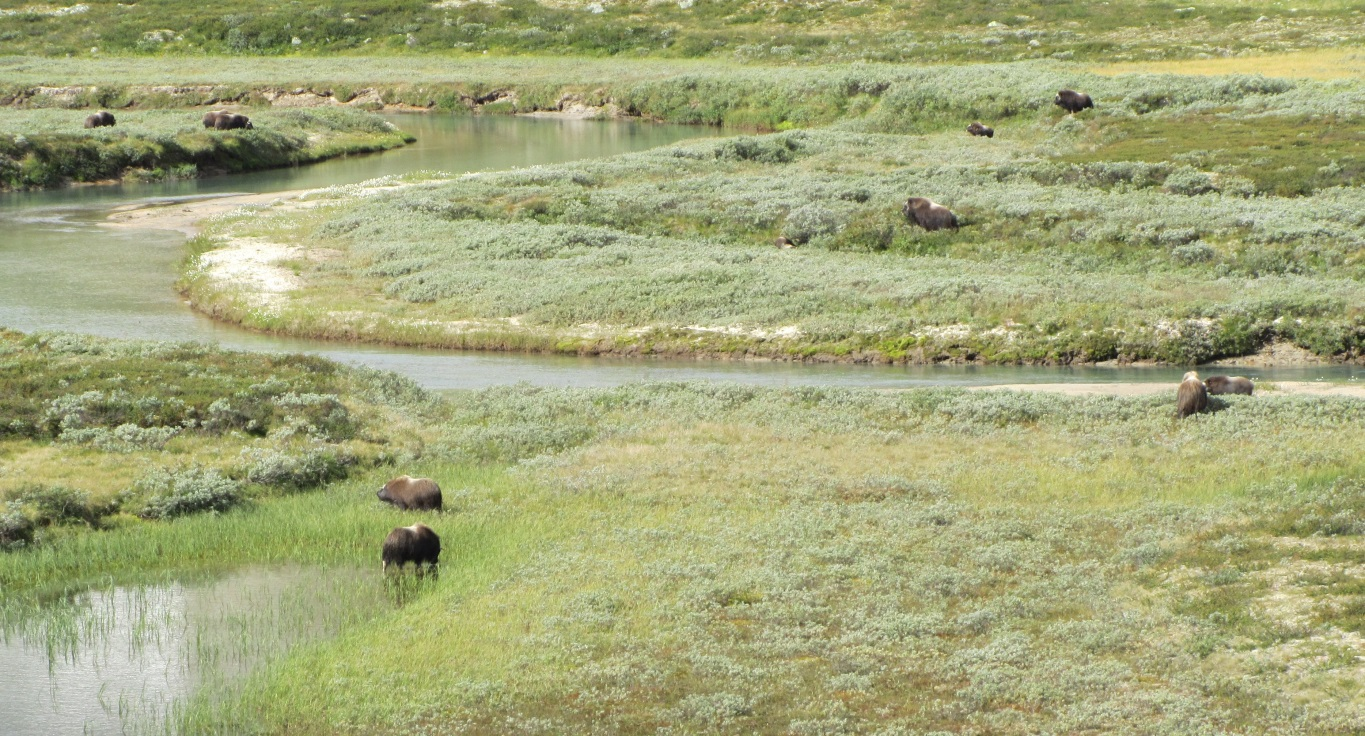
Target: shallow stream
point(61, 270)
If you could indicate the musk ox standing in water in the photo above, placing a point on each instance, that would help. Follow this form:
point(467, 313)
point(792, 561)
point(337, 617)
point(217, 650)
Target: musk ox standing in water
point(1072, 101)
point(1229, 385)
point(979, 129)
point(1192, 397)
point(416, 544)
point(101, 119)
point(407, 492)
point(928, 214)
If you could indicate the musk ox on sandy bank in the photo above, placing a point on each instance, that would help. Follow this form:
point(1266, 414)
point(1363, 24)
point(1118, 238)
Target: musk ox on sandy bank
point(1072, 101)
point(416, 544)
point(928, 214)
point(1229, 385)
point(101, 119)
point(979, 129)
point(407, 492)
point(1191, 397)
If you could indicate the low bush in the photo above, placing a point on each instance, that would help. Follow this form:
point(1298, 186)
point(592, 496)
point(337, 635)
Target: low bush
point(191, 490)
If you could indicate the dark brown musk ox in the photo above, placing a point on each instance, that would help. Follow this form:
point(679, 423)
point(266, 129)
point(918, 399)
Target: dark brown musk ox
point(416, 544)
point(1218, 385)
point(928, 214)
point(1072, 101)
point(978, 129)
point(211, 117)
point(101, 119)
point(1192, 397)
point(232, 121)
point(407, 492)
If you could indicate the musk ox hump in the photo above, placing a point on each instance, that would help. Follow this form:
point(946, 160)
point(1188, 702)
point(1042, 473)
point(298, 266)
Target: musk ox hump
point(211, 117)
point(1192, 397)
point(417, 544)
point(407, 492)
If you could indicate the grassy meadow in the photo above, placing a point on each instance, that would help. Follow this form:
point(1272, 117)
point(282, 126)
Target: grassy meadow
point(763, 30)
point(42, 147)
point(723, 559)
point(1184, 220)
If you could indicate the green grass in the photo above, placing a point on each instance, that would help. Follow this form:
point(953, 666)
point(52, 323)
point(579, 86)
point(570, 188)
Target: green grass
point(875, 30)
point(46, 148)
point(772, 560)
point(1074, 247)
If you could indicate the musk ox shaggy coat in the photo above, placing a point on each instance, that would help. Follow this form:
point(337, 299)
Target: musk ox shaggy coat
point(1072, 101)
point(101, 119)
point(1229, 385)
point(211, 118)
point(232, 121)
point(979, 129)
point(1191, 397)
point(928, 214)
point(416, 544)
point(784, 242)
point(407, 492)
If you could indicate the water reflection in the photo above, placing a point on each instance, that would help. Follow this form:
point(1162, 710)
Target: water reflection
point(122, 659)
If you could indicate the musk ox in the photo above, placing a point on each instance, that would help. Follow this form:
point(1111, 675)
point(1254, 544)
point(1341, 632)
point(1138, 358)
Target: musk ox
point(232, 121)
point(416, 544)
point(211, 117)
point(928, 214)
point(784, 242)
point(1191, 397)
point(407, 492)
point(101, 119)
point(979, 129)
point(1229, 385)
point(1072, 101)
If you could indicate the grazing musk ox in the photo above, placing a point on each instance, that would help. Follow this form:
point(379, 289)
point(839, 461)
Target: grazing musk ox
point(416, 544)
point(1072, 101)
point(928, 214)
point(979, 129)
point(211, 117)
point(232, 121)
point(101, 119)
point(407, 492)
point(1229, 385)
point(1191, 397)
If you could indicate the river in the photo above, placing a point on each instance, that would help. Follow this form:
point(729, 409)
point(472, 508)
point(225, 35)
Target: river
point(60, 269)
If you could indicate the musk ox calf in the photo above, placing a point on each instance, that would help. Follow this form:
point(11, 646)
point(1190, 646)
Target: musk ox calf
point(979, 129)
point(1072, 101)
point(101, 119)
point(1229, 385)
point(416, 544)
point(928, 214)
point(407, 492)
point(231, 121)
point(1191, 397)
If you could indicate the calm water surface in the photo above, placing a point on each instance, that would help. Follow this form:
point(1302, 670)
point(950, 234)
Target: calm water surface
point(60, 270)
point(116, 660)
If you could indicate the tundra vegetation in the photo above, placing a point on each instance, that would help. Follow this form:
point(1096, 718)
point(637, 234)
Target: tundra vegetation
point(771, 30)
point(48, 147)
point(1185, 219)
point(712, 558)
